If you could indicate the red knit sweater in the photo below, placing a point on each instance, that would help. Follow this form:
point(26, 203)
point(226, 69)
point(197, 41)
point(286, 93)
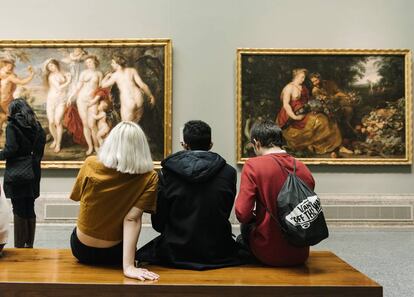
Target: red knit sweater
point(262, 178)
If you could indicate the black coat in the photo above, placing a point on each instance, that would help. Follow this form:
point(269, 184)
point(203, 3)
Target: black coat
point(195, 198)
point(21, 140)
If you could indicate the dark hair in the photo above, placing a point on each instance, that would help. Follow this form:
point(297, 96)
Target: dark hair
point(268, 133)
point(197, 135)
point(120, 60)
point(315, 74)
point(20, 106)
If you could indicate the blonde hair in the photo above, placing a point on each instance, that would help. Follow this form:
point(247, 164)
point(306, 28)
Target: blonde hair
point(126, 149)
point(298, 71)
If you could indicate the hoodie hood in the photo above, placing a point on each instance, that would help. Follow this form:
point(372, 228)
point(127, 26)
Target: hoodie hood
point(194, 166)
point(21, 122)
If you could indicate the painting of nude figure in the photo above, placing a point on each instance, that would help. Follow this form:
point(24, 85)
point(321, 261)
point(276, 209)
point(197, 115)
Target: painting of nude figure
point(80, 89)
point(340, 107)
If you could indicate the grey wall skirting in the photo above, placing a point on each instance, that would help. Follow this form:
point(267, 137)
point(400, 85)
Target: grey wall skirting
point(375, 209)
point(339, 209)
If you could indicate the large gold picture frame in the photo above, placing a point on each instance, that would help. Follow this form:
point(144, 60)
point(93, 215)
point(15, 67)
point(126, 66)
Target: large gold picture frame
point(72, 82)
point(347, 106)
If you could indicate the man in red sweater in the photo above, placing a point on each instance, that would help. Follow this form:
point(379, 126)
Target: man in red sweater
point(261, 181)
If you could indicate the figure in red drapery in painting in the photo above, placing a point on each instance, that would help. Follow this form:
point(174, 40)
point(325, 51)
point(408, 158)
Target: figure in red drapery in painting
point(306, 131)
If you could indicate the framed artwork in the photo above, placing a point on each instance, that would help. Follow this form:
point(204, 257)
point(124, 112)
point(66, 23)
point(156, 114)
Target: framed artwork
point(80, 89)
point(335, 106)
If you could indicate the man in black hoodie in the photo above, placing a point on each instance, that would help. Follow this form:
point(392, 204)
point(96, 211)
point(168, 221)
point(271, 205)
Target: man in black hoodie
point(195, 197)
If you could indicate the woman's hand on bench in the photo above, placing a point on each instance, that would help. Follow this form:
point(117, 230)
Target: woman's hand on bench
point(140, 273)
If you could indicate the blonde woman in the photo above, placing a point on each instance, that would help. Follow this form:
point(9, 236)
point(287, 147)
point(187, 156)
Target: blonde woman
point(114, 189)
point(89, 81)
point(57, 83)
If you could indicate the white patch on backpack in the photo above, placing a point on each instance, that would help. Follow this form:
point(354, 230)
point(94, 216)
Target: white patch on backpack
point(305, 212)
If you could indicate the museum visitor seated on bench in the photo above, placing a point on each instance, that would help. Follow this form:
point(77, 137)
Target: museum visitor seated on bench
point(259, 232)
point(114, 189)
point(195, 198)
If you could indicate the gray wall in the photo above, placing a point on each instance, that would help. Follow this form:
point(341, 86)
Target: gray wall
point(205, 35)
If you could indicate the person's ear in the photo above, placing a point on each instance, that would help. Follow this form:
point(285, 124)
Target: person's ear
point(257, 144)
point(185, 146)
point(211, 145)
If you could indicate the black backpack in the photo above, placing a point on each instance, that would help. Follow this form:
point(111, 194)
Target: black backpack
point(299, 212)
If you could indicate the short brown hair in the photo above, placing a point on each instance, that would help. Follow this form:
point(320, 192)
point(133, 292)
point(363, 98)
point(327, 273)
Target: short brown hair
point(267, 133)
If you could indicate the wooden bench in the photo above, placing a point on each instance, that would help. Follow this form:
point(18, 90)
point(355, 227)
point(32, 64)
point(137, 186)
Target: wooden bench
point(56, 273)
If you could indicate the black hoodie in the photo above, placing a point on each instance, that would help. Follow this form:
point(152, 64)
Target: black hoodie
point(195, 198)
point(21, 140)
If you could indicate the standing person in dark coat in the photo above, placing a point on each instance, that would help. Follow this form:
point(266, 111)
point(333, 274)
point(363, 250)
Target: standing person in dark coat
point(24, 136)
point(195, 198)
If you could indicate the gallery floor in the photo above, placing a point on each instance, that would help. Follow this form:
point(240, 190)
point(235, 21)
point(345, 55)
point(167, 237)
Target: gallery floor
point(385, 255)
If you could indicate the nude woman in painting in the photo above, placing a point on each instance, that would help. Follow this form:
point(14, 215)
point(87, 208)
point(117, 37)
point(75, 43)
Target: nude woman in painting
point(89, 81)
point(57, 82)
point(131, 88)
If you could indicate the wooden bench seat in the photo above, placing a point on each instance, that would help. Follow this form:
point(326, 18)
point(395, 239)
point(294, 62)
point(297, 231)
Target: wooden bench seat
point(56, 273)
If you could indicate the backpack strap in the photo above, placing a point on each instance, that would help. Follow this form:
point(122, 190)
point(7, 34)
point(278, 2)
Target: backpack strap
point(284, 168)
point(267, 209)
point(294, 166)
point(262, 203)
point(270, 213)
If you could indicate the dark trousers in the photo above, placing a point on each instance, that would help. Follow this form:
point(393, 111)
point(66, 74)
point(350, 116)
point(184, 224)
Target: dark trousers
point(24, 221)
point(24, 207)
point(243, 240)
point(95, 256)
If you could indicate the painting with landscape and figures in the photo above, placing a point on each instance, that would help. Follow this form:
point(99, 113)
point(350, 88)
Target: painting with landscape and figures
point(79, 90)
point(333, 106)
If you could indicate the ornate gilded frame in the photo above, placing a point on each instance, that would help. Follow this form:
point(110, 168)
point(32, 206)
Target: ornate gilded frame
point(165, 46)
point(407, 72)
